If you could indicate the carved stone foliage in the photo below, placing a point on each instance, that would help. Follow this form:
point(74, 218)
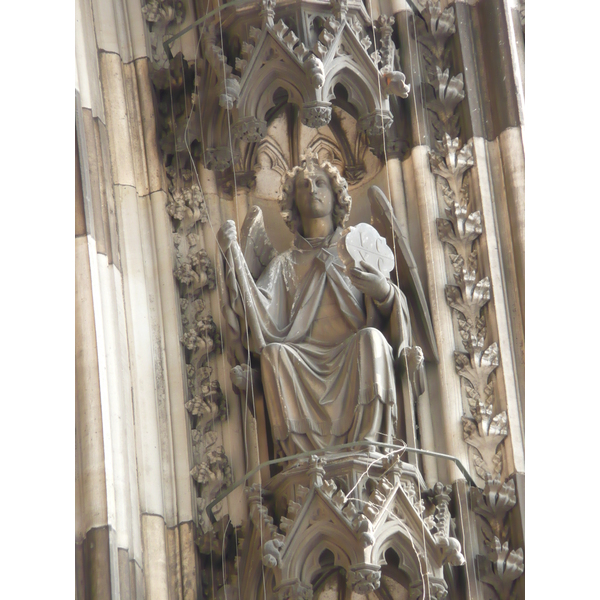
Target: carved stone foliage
point(206, 404)
point(200, 338)
point(365, 579)
point(163, 17)
point(305, 51)
point(484, 431)
point(486, 428)
point(440, 525)
point(444, 92)
point(330, 505)
point(316, 114)
point(500, 567)
point(437, 588)
point(177, 106)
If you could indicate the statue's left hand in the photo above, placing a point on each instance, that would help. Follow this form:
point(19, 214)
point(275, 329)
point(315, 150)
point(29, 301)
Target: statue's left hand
point(370, 281)
point(227, 235)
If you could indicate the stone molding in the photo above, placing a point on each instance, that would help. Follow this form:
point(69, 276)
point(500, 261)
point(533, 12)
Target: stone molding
point(307, 61)
point(305, 511)
point(163, 17)
point(200, 340)
point(500, 566)
point(483, 430)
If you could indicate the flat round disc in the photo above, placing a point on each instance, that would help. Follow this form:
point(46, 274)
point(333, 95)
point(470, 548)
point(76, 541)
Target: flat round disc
point(363, 243)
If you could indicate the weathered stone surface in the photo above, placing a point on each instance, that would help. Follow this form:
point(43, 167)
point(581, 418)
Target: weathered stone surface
point(263, 89)
point(97, 573)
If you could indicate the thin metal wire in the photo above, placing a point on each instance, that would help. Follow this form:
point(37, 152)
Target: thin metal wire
point(366, 471)
point(309, 453)
point(405, 338)
point(186, 141)
point(226, 492)
point(407, 530)
point(167, 43)
point(249, 360)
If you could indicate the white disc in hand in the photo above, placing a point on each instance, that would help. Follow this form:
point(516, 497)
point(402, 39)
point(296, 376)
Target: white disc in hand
point(363, 243)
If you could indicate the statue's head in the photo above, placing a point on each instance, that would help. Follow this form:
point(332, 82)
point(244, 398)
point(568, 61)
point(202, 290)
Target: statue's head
point(314, 189)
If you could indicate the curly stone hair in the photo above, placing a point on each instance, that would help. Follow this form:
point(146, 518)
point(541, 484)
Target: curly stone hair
point(287, 203)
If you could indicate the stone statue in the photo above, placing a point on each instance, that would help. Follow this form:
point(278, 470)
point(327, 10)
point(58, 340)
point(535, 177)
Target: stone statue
point(328, 336)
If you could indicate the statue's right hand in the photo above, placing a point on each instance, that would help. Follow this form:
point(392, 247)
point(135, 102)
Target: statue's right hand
point(227, 235)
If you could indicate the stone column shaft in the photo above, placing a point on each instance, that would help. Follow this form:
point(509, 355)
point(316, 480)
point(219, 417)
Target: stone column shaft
point(450, 401)
point(232, 428)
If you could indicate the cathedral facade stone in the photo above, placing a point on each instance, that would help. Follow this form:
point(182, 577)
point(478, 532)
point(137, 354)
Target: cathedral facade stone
point(300, 299)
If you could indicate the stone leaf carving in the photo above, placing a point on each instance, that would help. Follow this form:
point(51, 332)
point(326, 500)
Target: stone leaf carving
point(436, 587)
point(218, 159)
point(326, 37)
point(489, 461)
point(469, 296)
point(162, 15)
point(485, 432)
point(208, 403)
point(501, 566)
point(439, 525)
point(202, 338)
point(196, 270)
point(310, 61)
point(293, 590)
point(384, 25)
point(186, 200)
point(493, 504)
point(174, 85)
point(249, 129)
point(451, 161)
point(316, 114)
point(448, 93)
point(434, 30)
point(364, 579)
point(212, 474)
point(375, 123)
point(476, 369)
point(213, 469)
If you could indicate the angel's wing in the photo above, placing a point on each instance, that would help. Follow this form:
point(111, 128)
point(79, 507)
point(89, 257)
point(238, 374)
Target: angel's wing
point(258, 252)
point(255, 243)
point(409, 281)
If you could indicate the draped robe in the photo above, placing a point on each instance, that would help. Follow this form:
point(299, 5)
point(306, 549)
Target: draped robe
point(327, 351)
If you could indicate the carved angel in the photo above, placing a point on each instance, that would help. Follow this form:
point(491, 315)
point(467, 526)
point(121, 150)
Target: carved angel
point(328, 337)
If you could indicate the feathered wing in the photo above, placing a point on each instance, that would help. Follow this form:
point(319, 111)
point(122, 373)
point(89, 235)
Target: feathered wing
point(409, 282)
point(258, 252)
point(255, 243)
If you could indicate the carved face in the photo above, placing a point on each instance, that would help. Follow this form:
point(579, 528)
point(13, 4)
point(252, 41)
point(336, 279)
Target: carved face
point(314, 195)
